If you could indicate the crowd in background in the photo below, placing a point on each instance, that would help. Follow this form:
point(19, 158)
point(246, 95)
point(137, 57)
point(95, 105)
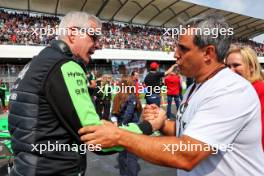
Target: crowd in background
point(20, 28)
point(153, 88)
point(17, 28)
point(125, 36)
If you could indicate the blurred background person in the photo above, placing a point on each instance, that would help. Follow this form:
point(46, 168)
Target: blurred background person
point(243, 60)
point(103, 94)
point(135, 78)
point(126, 107)
point(153, 81)
point(3, 89)
point(91, 78)
point(173, 84)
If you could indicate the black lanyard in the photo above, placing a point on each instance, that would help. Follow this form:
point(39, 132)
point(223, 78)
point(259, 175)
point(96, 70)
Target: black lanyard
point(206, 79)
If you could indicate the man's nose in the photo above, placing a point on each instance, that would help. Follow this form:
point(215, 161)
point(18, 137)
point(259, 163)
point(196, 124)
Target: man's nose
point(176, 53)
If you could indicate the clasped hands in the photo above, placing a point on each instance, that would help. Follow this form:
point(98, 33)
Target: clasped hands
point(108, 135)
point(155, 115)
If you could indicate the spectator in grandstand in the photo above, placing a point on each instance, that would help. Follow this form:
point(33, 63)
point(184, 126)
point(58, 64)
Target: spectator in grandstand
point(126, 108)
point(16, 28)
point(218, 128)
point(244, 61)
point(258, 47)
point(153, 83)
point(173, 84)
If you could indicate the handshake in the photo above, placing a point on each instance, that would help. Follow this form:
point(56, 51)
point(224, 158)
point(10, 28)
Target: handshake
point(155, 115)
point(109, 135)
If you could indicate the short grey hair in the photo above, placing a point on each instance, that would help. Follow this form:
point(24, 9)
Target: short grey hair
point(221, 42)
point(78, 19)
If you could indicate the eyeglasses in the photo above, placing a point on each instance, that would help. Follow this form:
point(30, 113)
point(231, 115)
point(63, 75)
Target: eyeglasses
point(93, 36)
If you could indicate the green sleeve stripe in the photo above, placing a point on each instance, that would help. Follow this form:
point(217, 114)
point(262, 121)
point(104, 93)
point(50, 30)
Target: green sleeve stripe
point(132, 127)
point(75, 80)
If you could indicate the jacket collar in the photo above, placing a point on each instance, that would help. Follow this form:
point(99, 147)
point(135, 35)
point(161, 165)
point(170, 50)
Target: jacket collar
point(61, 46)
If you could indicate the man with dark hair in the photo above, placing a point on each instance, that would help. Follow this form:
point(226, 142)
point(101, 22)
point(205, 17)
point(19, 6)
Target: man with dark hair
point(135, 77)
point(153, 83)
point(217, 131)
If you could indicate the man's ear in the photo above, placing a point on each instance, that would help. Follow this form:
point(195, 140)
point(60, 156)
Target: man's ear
point(209, 53)
point(72, 33)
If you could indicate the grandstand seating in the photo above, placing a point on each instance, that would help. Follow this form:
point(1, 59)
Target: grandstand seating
point(17, 28)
